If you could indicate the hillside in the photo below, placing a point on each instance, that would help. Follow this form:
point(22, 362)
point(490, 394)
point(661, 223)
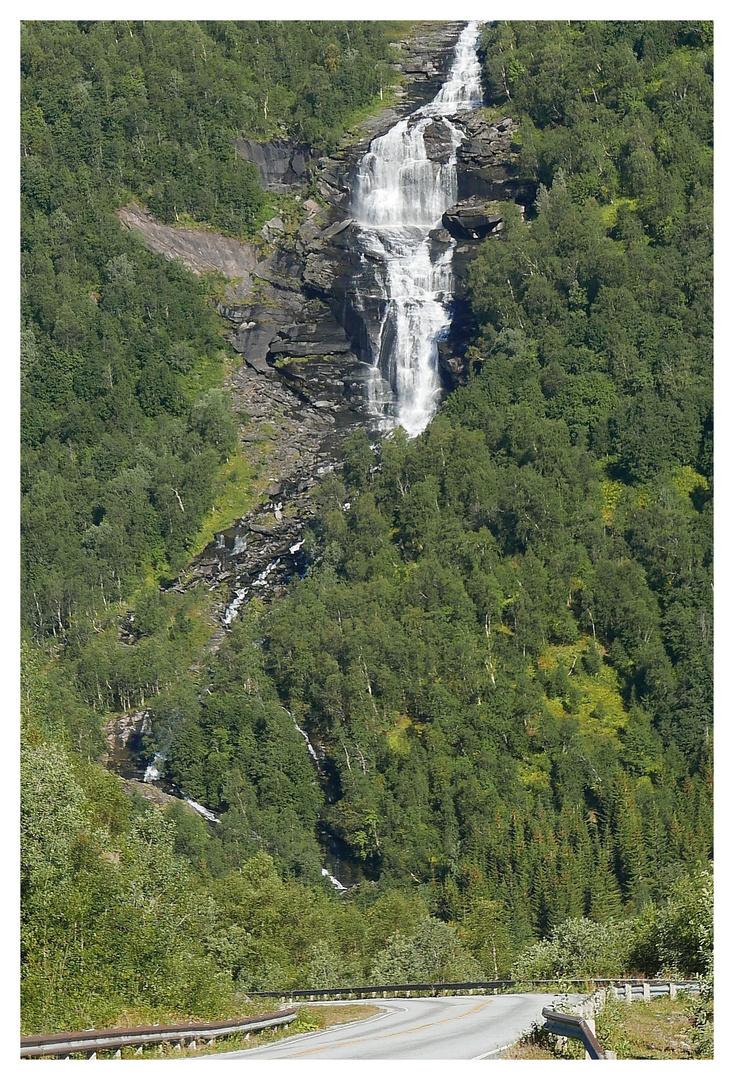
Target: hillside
point(501, 653)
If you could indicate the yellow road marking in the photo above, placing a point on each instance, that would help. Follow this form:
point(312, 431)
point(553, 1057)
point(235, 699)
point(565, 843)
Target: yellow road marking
point(391, 1035)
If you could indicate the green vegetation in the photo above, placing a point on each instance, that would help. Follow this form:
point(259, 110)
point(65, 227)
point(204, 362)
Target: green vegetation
point(657, 1030)
point(123, 428)
point(312, 1018)
point(502, 648)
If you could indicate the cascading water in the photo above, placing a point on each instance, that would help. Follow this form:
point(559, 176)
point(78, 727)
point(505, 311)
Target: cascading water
point(400, 196)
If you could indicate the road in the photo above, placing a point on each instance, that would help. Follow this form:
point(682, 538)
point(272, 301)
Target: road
point(465, 1028)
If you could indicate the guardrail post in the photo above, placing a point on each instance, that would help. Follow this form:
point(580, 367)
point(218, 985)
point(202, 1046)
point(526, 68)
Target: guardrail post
point(628, 993)
point(673, 991)
point(591, 1024)
point(646, 991)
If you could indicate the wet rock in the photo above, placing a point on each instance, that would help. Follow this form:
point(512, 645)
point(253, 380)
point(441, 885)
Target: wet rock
point(454, 367)
point(437, 141)
point(440, 236)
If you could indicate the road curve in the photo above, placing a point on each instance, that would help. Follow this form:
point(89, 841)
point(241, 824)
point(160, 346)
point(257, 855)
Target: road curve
point(436, 1028)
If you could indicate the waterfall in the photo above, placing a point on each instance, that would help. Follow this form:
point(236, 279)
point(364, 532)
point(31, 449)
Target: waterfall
point(400, 196)
point(153, 769)
point(334, 881)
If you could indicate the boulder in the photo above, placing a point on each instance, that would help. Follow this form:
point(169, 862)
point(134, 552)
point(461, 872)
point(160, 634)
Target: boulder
point(440, 236)
point(471, 219)
point(272, 229)
point(437, 141)
point(337, 228)
point(252, 341)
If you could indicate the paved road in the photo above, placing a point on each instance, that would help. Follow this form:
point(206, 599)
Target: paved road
point(464, 1028)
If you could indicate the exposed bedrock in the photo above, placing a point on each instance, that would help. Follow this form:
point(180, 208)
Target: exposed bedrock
point(281, 164)
point(488, 164)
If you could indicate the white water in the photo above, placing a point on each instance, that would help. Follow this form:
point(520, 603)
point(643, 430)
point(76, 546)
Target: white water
point(235, 604)
point(334, 881)
point(309, 745)
point(208, 814)
point(153, 771)
point(400, 196)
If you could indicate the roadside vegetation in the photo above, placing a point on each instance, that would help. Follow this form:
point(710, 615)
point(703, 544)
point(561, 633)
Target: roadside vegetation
point(311, 1018)
point(657, 1030)
point(502, 648)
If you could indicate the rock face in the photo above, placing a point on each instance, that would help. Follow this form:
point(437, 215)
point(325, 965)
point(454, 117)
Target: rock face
point(488, 161)
point(123, 735)
point(281, 164)
point(289, 328)
point(199, 249)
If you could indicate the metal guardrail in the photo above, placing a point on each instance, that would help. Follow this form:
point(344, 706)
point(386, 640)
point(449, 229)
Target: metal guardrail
point(365, 991)
point(574, 1027)
point(629, 988)
point(90, 1041)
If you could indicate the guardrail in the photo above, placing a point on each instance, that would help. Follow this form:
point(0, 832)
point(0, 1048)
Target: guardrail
point(90, 1041)
point(373, 991)
point(575, 1027)
point(641, 990)
point(630, 989)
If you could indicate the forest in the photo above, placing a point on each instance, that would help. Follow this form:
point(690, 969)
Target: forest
point(503, 645)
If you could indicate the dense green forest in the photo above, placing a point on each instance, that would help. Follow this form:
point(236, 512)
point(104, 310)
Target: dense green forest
point(122, 423)
point(503, 645)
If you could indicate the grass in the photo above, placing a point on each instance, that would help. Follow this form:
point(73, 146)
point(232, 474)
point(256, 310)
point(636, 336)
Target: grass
point(234, 494)
point(311, 1018)
point(659, 1030)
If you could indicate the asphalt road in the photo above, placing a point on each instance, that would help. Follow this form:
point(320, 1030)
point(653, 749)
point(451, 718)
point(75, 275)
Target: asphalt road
point(465, 1028)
